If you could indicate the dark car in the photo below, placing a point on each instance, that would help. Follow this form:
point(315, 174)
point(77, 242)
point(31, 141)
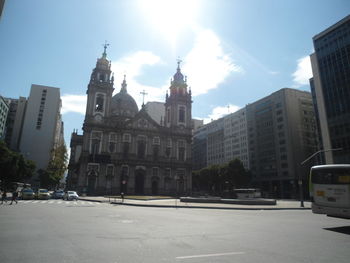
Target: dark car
point(58, 194)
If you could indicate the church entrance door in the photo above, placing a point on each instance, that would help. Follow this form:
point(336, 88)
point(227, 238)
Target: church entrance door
point(155, 187)
point(139, 181)
point(91, 185)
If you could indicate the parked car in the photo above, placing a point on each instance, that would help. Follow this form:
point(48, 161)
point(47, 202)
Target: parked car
point(42, 194)
point(70, 195)
point(58, 194)
point(27, 194)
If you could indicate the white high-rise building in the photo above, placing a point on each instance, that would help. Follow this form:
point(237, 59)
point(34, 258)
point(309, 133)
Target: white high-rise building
point(42, 125)
point(236, 137)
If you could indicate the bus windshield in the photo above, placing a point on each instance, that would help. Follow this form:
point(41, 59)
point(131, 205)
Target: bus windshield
point(331, 176)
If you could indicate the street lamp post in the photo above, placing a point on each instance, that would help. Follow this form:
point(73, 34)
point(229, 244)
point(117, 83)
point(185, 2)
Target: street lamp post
point(300, 181)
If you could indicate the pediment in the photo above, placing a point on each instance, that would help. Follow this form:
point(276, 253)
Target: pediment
point(143, 121)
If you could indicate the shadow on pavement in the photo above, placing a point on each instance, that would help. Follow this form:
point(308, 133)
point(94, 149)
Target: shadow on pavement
point(342, 229)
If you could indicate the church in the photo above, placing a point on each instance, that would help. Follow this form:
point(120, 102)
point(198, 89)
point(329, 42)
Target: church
point(123, 149)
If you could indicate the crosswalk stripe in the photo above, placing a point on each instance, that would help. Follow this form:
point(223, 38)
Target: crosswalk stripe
point(58, 202)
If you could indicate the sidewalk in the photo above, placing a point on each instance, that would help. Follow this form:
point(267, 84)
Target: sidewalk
point(175, 203)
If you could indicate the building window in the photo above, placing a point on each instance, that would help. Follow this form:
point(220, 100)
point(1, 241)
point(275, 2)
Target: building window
point(126, 137)
point(168, 148)
point(155, 171)
point(112, 147)
point(155, 152)
point(102, 77)
point(141, 147)
point(124, 174)
point(110, 170)
point(167, 172)
point(182, 114)
point(156, 141)
point(181, 150)
point(126, 146)
point(99, 104)
point(41, 109)
point(95, 142)
point(168, 115)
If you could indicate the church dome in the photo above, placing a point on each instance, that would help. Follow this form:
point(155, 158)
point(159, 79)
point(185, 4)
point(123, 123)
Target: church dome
point(123, 104)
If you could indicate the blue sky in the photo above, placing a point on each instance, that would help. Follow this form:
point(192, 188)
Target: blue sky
point(233, 52)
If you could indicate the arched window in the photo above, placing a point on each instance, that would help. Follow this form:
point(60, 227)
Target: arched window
point(182, 114)
point(102, 77)
point(99, 103)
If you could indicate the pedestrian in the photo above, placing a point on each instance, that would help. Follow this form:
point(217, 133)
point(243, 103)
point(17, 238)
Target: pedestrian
point(4, 197)
point(14, 197)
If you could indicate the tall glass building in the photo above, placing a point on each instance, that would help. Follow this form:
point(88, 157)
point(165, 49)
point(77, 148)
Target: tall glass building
point(331, 89)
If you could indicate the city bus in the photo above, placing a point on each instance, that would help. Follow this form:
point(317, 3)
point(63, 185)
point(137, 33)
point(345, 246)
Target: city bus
point(330, 190)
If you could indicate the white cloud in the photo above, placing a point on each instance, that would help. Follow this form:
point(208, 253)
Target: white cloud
point(207, 65)
point(219, 112)
point(303, 72)
point(73, 103)
point(132, 66)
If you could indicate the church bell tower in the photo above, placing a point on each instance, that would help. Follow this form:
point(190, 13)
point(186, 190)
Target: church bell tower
point(178, 105)
point(100, 90)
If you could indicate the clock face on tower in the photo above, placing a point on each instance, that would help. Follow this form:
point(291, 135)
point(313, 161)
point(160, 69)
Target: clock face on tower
point(98, 117)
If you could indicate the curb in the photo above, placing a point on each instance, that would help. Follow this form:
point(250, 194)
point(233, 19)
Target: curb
point(94, 200)
point(210, 207)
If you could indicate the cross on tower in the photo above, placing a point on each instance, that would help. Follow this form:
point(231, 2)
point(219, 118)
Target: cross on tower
point(143, 96)
point(105, 47)
point(178, 62)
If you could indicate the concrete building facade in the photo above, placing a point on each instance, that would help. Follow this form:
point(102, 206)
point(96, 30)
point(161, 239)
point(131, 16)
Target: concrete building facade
point(236, 137)
point(282, 134)
point(331, 89)
point(41, 126)
point(14, 123)
point(4, 109)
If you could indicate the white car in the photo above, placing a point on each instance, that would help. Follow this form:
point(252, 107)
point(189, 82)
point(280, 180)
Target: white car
point(70, 195)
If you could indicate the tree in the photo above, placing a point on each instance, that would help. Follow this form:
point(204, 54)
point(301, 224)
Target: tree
point(236, 174)
point(51, 177)
point(13, 166)
point(217, 178)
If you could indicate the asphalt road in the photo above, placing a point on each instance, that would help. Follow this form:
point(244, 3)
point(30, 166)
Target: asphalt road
point(62, 231)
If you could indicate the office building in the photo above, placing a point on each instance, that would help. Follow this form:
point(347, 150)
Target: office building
point(14, 123)
point(4, 108)
point(282, 134)
point(331, 90)
point(42, 125)
point(236, 137)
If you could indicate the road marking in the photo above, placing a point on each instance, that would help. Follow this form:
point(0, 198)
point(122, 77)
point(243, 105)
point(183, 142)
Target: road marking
point(34, 202)
point(59, 202)
point(43, 202)
point(51, 202)
point(211, 255)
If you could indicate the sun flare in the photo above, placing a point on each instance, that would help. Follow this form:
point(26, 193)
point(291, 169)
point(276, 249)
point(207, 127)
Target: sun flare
point(170, 17)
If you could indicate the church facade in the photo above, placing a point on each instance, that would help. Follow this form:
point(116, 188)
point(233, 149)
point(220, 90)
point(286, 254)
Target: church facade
point(123, 150)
